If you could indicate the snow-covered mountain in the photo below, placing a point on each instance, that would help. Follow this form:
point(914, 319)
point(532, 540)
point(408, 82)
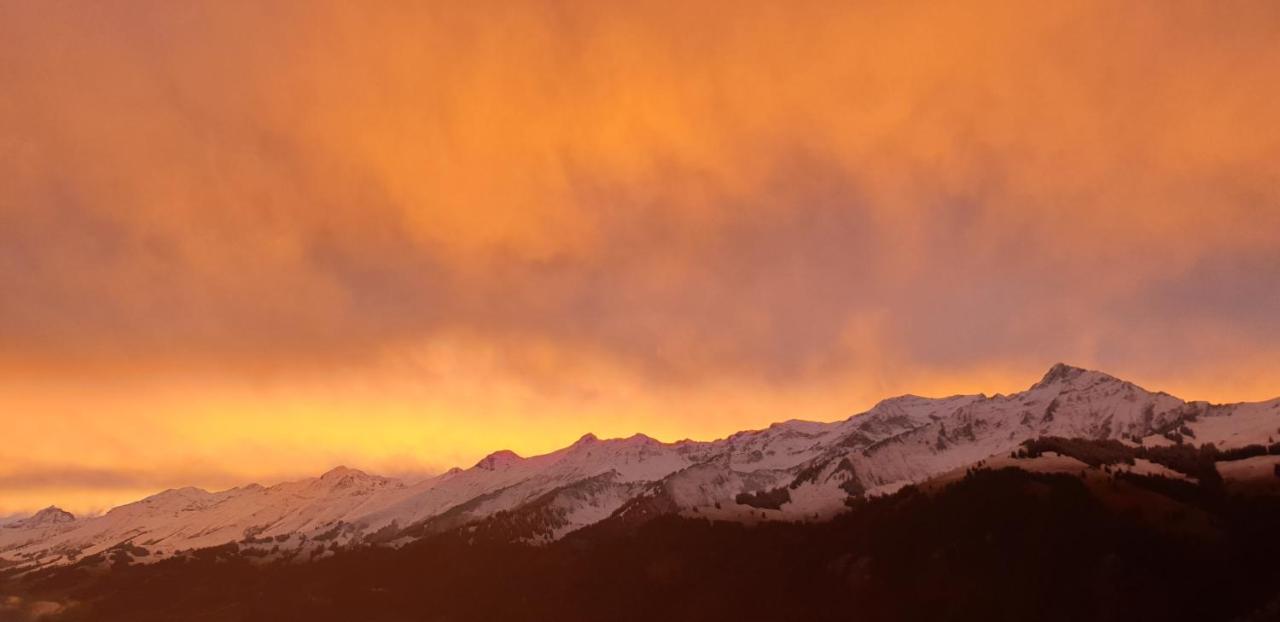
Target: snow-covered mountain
point(793, 470)
point(47, 517)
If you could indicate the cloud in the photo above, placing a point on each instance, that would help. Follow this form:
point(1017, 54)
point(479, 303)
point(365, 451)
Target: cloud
point(76, 477)
point(595, 203)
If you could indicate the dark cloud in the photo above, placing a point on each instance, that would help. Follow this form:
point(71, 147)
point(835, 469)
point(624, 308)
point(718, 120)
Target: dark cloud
point(633, 202)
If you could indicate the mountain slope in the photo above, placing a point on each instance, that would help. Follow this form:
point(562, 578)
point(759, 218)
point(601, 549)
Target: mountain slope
point(793, 470)
point(994, 544)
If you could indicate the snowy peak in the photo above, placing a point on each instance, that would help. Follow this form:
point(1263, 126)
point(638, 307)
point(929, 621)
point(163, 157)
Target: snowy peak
point(340, 472)
point(498, 460)
point(347, 481)
point(187, 499)
point(904, 413)
point(590, 441)
point(792, 470)
point(1066, 376)
point(1074, 402)
point(51, 515)
point(641, 439)
point(342, 475)
point(1060, 372)
point(186, 494)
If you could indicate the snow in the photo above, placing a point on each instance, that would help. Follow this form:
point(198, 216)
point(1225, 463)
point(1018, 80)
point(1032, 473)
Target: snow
point(1257, 468)
point(815, 502)
point(49, 516)
point(900, 441)
point(1146, 467)
point(1048, 462)
point(1239, 425)
point(887, 489)
point(190, 518)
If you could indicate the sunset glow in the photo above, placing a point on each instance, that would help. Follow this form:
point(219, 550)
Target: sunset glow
point(246, 241)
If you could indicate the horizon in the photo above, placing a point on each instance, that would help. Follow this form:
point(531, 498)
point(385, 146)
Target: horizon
point(410, 477)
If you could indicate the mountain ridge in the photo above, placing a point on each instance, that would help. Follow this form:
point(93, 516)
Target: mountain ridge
point(792, 470)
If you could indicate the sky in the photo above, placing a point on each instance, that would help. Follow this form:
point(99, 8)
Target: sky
point(246, 241)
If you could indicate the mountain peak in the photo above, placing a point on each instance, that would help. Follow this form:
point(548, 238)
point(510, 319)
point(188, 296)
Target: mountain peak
point(640, 438)
point(1062, 373)
point(52, 515)
point(341, 471)
point(185, 492)
point(498, 459)
point(906, 398)
point(901, 441)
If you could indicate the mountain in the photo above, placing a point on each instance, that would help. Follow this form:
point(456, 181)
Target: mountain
point(792, 471)
point(995, 544)
point(47, 517)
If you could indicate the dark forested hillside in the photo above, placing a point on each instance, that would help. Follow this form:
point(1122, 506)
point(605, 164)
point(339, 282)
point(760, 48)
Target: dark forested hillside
point(996, 545)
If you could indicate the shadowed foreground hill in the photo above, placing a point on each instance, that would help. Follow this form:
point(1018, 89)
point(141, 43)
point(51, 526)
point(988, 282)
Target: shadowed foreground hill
point(996, 545)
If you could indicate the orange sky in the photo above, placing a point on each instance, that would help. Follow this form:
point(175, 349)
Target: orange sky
point(243, 242)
